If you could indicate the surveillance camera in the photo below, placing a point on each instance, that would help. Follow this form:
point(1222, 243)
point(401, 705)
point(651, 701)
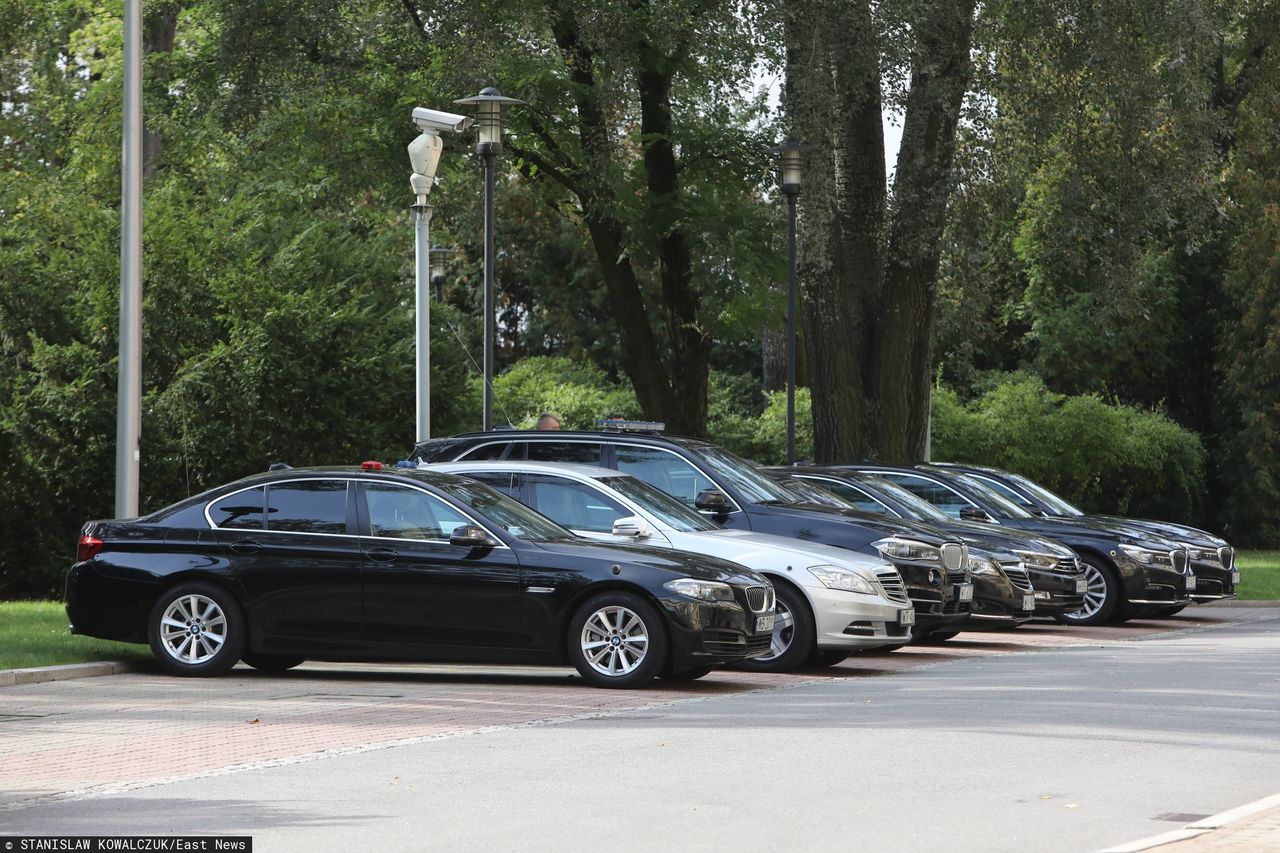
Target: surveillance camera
point(436, 120)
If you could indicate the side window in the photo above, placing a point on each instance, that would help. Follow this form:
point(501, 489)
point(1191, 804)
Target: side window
point(935, 493)
point(241, 511)
point(497, 450)
point(573, 505)
point(664, 471)
point(505, 482)
point(308, 506)
point(862, 501)
point(585, 453)
point(1001, 488)
point(398, 512)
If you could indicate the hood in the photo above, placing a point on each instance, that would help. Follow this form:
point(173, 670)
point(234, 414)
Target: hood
point(1167, 529)
point(1069, 530)
point(878, 525)
point(678, 563)
point(766, 551)
point(992, 538)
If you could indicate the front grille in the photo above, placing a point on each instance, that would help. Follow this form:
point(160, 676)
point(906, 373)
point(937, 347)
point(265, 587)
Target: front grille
point(1179, 559)
point(958, 576)
point(953, 556)
point(760, 598)
point(926, 601)
point(1018, 576)
point(1227, 557)
point(1069, 566)
point(894, 589)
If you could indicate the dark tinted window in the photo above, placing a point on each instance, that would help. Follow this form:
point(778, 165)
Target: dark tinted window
point(937, 494)
point(496, 450)
point(241, 510)
point(866, 503)
point(398, 512)
point(503, 481)
point(308, 506)
point(574, 505)
point(664, 471)
point(564, 451)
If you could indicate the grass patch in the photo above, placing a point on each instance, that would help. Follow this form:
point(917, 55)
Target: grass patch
point(35, 633)
point(1259, 574)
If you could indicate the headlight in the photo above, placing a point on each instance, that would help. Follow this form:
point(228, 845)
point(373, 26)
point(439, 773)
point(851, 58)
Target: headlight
point(982, 565)
point(701, 590)
point(1038, 561)
point(841, 579)
point(1147, 556)
point(908, 550)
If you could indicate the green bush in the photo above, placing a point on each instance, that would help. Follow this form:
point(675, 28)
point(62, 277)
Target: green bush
point(742, 417)
point(1105, 457)
point(578, 393)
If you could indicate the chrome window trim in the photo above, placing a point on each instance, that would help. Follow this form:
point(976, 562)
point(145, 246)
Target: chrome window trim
point(346, 480)
point(693, 465)
point(927, 479)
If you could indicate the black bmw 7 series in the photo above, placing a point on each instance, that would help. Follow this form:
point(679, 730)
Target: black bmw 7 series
point(366, 564)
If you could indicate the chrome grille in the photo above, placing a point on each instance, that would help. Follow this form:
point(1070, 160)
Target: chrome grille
point(1227, 557)
point(952, 556)
point(1179, 559)
point(760, 598)
point(1068, 566)
point(894, 588)
point(1018, 576)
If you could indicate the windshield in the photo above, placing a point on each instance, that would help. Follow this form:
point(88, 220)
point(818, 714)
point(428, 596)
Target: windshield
point(920, 509)
point(1003, 507)
point(512, 516)
point(813, 493)
point(666, 508)
point(754, 486)
point(1055, 504)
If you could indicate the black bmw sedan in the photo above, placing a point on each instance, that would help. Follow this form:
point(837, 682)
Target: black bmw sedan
point(366, 564)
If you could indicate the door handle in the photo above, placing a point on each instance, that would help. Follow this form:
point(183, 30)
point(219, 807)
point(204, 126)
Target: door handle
point(245, 546)
point(381, 555)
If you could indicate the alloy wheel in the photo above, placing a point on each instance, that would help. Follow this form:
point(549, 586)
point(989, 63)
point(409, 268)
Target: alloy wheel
point(193, 629)
point(784, 631)
point(1095, 596)
point(614, 640)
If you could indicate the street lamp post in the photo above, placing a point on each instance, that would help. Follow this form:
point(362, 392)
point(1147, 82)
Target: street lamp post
point(789, 154)
point(129, 389)
point(488, 104)
point(424, 156)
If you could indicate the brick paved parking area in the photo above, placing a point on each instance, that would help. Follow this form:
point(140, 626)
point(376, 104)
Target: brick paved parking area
point(70, 739)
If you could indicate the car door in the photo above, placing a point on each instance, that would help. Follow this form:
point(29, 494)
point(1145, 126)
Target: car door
point(671, 473)
point(585, 509)
point(421, 591)
point(293, 548)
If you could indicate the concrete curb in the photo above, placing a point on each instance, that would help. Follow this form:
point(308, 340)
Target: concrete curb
point(1200, 827)
point(63, 672)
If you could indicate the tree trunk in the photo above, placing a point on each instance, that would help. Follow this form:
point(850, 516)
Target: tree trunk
point(158, 30)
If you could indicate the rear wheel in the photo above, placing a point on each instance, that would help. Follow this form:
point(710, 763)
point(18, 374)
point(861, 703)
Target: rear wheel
point(196, 629)
point(271, 663)
point(1102, 598)
point(617, 639)
point(793, 638)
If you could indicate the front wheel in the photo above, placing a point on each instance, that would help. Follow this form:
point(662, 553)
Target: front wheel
point(196, 629)
point(793, 638)
point(617, 639)
point(1102, 598)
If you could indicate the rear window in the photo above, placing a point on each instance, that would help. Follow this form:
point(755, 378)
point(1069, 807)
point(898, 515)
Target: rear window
point(242, 510)
point(308, 506)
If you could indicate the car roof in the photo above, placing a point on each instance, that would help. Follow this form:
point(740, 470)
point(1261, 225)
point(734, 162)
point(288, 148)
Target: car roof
point(591, 472)
point(562, 434)
point(433, 478)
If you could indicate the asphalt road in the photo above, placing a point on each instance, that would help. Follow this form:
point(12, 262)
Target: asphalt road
point(1046, 748)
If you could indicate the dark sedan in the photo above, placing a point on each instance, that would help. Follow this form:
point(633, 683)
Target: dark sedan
point(365, 564)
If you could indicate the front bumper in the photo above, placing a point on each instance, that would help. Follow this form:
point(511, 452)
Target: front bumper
point(1055, 591)
point(844, 620)
point(1146, 585)
point(1213, 582)
point(708, 633)
point(997, 601)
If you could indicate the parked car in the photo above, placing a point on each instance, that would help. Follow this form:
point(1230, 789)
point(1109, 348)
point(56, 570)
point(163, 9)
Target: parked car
point(1213, 560)
point(367, 564)
point(1130, 572)
point(830, 601)
point(1057, 579)
point(732, 493)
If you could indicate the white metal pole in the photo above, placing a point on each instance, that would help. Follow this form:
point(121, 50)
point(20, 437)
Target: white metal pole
point(129, 394)
point(422, 313)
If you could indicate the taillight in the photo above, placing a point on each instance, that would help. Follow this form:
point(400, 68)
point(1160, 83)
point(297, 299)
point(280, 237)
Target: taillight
point(88, 548)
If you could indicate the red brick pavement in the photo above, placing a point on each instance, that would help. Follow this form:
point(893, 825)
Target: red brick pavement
point(92, 735)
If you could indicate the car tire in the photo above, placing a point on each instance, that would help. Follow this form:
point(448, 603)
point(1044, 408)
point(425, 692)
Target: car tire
point(1102, 600)
point(271, 663)
point(686, 674)
point(828, 657)
point(635, 657)
point(793, 634)
point(196, 629)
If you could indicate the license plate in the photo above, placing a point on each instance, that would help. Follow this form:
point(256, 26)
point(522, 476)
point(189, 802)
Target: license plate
point(906, 617)
point(1235, 577)
point(1028, 602)
point(1191, 583)
point(764, 623)
point(966, 592)
point(1082, 585)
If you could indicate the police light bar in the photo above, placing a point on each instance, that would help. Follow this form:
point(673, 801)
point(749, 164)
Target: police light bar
point(631, 426)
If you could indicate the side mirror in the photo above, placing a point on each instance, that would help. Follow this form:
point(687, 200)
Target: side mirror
point(633, 526)
point(471, 536)
point(712, 501)
point(972, 513)
point(1036, 511)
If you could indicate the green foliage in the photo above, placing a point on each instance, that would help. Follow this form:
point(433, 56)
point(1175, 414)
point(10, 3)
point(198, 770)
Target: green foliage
point(34, 633)
point(743, 418)
point(1107, 457)
point(577, 392)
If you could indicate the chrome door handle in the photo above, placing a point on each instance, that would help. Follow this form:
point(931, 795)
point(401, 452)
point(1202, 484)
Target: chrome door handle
point(245, 546)
point(381, 555)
